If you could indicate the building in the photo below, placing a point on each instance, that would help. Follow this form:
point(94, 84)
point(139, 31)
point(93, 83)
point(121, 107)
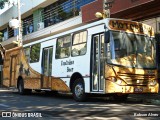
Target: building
point(43, 18)
point(146, 11)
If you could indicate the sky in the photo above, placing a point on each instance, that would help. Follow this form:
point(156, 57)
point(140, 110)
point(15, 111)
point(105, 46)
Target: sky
point(7, 6)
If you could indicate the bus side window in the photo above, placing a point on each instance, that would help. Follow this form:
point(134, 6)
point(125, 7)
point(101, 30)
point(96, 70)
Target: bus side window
point(35, 53)
point(79, 44)
point(63, 47)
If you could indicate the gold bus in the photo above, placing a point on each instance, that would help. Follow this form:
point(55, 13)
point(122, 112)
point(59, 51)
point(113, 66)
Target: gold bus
point(111, 56)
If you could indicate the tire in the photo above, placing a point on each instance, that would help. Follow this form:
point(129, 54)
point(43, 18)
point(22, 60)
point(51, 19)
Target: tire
point(120, 97)
point(21, 89)
point(78, 90)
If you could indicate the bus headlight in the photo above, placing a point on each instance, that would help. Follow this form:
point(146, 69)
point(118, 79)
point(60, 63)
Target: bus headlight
point(113, 79)
point(119, 81)
point(153, 82)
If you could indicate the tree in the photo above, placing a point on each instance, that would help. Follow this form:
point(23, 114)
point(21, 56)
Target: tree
point(2, 3)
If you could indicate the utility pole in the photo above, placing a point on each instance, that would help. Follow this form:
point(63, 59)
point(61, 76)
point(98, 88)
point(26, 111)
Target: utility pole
point(20, 27)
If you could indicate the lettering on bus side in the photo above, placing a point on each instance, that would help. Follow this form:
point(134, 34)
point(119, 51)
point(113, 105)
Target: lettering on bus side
point(68, 62)
point(69, 69)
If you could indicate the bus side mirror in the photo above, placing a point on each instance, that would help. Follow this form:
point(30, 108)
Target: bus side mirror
point(106, 37)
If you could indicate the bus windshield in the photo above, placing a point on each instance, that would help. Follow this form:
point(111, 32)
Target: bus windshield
point(131, 50)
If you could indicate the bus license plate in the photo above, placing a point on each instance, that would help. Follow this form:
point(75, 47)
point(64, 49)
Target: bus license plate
point(138, 89)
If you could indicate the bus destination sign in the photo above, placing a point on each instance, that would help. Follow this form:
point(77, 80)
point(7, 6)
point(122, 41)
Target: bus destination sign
point(133, 27)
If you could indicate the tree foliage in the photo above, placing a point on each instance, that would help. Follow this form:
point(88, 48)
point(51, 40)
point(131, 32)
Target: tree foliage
point(2, 3)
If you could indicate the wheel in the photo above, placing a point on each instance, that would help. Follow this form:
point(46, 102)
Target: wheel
point(120, 97)
point(78, 90)
point(21, 89)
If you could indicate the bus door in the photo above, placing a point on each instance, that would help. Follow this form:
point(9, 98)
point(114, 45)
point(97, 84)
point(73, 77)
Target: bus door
point(97, 61)
point(47, 55)
point(13, 65)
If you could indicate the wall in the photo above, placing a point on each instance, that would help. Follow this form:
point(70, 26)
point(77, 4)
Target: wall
point(89, 10)
point(120, 5)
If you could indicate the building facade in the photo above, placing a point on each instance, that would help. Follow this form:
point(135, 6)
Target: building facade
point(43, 18)
point(146, 11)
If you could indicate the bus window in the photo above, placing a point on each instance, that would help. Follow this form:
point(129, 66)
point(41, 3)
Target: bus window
point(79, 46)
point(35, 53)
point(27, 53)
point(63, 47)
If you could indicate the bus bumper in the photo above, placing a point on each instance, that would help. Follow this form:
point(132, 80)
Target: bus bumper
point(112, 87)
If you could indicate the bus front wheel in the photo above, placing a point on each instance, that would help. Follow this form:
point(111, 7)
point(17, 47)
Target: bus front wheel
point(78, 90)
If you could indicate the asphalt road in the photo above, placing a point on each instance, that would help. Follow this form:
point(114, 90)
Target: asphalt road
point(62, 106)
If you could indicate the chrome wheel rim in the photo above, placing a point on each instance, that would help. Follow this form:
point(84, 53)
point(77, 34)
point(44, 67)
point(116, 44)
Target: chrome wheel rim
point(79, 90)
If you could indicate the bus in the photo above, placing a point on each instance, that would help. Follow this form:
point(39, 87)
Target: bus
point(108, 57)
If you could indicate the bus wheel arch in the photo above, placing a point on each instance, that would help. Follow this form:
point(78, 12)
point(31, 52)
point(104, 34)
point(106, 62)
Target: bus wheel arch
point(74, 76)
point(78, 87)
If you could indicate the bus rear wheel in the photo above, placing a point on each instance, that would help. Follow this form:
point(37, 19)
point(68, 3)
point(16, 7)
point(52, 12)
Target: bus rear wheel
point(78, 90)
point(21, 89)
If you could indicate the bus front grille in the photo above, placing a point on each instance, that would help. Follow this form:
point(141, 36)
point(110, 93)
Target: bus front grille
point(136, 79)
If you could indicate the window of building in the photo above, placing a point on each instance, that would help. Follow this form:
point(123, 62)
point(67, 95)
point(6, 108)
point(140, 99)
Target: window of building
point(10, 32)
point(63, 47)
point(5, 34)
point(51, 13)
point(16, 32)
point(28, 25)
point(27, 53)
point(35, 53)
point(79, 44)
point(62, 10)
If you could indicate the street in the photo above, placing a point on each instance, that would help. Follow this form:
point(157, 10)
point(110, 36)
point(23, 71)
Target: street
point(63, 106)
